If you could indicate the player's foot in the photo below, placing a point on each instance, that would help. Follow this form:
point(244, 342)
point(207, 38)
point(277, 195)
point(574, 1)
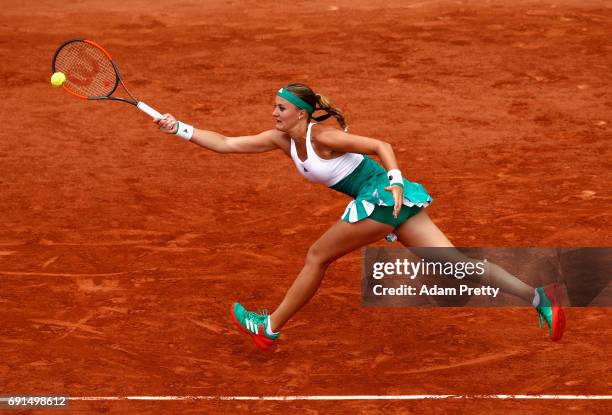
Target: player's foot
point(255, 325)
point(549, 310)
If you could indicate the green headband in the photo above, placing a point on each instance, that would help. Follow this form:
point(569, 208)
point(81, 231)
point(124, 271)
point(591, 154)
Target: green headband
point(295, 100)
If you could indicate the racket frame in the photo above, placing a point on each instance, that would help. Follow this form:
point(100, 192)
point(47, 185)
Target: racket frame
point(139, 104)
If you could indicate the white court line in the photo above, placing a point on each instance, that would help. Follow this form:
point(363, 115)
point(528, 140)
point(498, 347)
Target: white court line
point(333, 397)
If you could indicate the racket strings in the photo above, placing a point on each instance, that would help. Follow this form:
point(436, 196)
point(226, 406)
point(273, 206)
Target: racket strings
point(89, 72)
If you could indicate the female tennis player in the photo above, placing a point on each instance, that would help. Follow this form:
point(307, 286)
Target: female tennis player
point(383, 202)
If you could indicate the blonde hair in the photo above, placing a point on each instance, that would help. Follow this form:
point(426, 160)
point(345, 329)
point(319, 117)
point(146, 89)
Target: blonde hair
point(319, 103)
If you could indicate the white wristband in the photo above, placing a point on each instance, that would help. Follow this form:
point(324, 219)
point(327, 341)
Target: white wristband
point(395, 177)
point(184, 130)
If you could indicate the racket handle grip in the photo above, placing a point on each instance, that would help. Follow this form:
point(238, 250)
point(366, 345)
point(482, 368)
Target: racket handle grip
point(148, 110)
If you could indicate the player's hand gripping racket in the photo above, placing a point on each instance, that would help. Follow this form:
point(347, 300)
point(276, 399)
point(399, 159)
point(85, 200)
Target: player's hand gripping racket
point(92, 74)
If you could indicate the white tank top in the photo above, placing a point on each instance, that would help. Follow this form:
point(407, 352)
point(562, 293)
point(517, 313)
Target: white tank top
point(318, 170)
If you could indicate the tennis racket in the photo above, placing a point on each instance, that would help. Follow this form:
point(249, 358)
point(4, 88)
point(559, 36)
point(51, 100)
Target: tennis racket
point(92, 74)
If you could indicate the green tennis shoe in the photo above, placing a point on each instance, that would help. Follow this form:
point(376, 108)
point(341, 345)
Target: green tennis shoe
point(255, 325)
point(550, 310)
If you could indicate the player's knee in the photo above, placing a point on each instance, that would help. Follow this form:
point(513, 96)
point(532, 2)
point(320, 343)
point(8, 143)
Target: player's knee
point(316, 257)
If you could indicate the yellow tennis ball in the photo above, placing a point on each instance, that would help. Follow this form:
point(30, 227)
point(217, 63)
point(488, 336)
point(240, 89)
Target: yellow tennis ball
point(58, 79)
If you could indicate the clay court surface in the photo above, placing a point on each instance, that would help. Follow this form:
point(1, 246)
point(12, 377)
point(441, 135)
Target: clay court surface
point(122, 249)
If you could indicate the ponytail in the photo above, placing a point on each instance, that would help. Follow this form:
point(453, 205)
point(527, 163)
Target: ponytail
point(319, 103)
point(324, 104)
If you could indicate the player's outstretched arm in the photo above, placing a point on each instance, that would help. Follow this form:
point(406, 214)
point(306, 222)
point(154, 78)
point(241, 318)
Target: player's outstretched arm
point(265, 141)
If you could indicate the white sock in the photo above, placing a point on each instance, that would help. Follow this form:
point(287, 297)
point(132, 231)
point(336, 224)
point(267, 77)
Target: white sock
point(268, 329)
point(536, 299)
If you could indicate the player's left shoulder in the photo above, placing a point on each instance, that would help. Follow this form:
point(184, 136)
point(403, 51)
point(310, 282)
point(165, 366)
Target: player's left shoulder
point(326, 133)
point(320, 128)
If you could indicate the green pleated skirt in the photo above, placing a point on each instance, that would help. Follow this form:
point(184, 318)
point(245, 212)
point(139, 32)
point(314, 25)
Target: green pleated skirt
point(366, 184)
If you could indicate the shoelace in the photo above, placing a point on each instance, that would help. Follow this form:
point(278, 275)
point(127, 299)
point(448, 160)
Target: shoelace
point(554, 298)
point(258, 318)
point(541, 319)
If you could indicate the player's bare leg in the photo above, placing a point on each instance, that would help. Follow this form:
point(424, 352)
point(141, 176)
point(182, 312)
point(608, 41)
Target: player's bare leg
point(336, 242)
point(420, 232)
